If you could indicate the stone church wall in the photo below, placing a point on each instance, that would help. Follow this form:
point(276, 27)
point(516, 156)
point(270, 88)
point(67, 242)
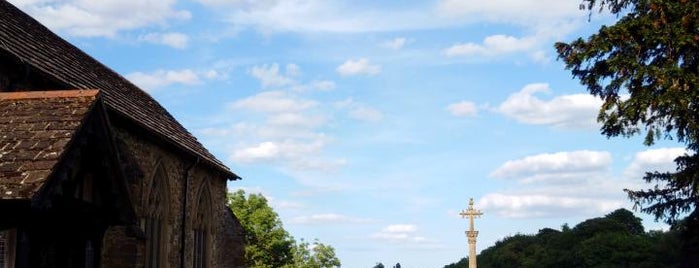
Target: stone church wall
point(141, 157)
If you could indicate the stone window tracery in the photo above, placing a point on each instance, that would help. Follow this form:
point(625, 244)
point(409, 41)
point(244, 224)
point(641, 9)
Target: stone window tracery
point(154, 222)
point(201, 228)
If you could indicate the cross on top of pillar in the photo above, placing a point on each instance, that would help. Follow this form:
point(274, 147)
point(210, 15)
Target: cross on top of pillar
point(471, 234)
point(470, 212)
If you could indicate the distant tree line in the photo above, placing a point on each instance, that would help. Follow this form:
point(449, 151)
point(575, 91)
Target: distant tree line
point(615, 240)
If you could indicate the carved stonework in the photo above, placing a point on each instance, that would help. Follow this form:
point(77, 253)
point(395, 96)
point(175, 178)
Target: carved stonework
point(471, 234)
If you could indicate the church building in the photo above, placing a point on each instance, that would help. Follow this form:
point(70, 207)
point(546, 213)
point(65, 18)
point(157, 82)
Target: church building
point(94, 172)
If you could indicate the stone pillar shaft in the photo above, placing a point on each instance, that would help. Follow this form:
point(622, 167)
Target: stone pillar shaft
point(471, 234)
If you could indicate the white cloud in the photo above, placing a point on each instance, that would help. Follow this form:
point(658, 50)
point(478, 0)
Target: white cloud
point(405, 235)
point(396, 43)
point(318, 16)
point(318, 85)
point(175, 40)
point(523, 205)
point(463, 108)
point(289, 150)
point(346, 16)
point(583, 185)
point(661, 160)
point(329, 218)
point(273, 102)
point(101, 18)
point(323, 85)
point(398, 233)
point(358, 67)
point(269, 75)
point(511, 11)
point(359, 111)
point(287, 135)
point(400, 228)
point(163, 78)
point(492, 46)
point(540, 56)
point(555, 166)
point(567, 111)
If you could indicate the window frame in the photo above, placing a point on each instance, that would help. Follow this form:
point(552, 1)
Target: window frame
point(201, 228)
point(9, 248)
point(154, 222)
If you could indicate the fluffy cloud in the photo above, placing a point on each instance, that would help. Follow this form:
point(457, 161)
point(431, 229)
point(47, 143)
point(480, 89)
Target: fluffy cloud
point(273, 102)
point(270, 76)
point(556, 166)
point(317, 16)
point(463, 108)
point(492, 46)
point(163, 78)
point(398, 233)
point(567, 111)
point(661, 160)
point(272, 151)
point(396, 43)
point(175, 40)
point(286, 131)
point(329, 218)
point(405, 235)
point(577, 183)
point(359, 111)
point(358, 67)
point(522, 205)
point(513, 11)
point(101, 18)
point(540, 29)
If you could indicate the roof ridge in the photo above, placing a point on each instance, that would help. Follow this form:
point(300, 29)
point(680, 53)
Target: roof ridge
point(48, 94)
point(26, 39)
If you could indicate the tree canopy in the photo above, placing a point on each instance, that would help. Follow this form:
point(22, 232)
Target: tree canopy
point(645, 68)
point(268, 245)
point(615, 240)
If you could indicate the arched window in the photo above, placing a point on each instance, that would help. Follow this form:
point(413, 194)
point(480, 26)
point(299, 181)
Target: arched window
point(202, 228)
point(7, 248)
point(154, 222)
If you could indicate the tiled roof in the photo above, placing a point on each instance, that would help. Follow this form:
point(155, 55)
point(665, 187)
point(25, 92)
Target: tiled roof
point(36, 45)
point(35, 128)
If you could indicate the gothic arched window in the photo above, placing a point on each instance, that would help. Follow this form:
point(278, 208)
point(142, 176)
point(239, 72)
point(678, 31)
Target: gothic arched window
point(154, 222)
point(202, 228)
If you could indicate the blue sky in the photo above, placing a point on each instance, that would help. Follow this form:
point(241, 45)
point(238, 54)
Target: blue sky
point(369, 124)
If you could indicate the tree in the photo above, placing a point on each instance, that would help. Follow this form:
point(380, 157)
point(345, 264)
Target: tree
point(267, 244)
point(614, 240)
point(316, 255)
point(645, 68)
point(379, 265)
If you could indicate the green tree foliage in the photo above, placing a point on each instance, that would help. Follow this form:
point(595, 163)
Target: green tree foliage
point(316, 255)
point(463, 263)
point(616, 240)
point(268, 245)
point(645, 68)
point(379, 265)
point(652, 54)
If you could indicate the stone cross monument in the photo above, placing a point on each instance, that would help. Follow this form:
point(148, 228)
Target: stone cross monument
point(471, 234)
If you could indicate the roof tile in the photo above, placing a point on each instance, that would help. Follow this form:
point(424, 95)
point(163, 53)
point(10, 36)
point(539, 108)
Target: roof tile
point(28, 153)
point(36, 45)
